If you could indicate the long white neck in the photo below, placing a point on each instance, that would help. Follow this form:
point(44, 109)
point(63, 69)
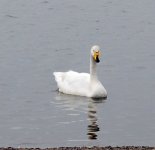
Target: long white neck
point(93, 71)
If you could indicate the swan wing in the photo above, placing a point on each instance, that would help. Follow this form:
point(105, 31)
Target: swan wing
point(72, 82)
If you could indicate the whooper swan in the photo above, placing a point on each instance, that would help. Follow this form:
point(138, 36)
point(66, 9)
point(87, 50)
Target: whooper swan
point(82, 84)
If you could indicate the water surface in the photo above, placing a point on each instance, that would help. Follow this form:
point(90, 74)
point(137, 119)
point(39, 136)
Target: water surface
point(39, 37)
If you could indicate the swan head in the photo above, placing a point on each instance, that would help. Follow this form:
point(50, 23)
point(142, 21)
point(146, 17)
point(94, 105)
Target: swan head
point(95, 52)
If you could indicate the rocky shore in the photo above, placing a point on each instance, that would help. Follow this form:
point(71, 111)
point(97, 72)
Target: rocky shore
point(87, 148)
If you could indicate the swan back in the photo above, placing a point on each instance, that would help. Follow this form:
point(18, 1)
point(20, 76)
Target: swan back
point(72, 82)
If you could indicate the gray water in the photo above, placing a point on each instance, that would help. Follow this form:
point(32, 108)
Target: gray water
point(41, 36)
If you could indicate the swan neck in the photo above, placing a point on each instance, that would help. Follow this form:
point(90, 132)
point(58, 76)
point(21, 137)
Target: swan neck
point(93, 71)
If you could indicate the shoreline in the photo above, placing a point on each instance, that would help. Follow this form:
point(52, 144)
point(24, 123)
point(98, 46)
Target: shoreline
point(86, 148)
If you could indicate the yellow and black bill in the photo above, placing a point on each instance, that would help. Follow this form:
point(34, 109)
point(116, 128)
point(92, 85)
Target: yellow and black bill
point(96, 56)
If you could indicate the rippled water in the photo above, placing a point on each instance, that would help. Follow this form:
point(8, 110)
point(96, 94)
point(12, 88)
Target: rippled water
point(39, 37)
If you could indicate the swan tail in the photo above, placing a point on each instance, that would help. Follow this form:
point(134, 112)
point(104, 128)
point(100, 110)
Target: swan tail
point(59, 76)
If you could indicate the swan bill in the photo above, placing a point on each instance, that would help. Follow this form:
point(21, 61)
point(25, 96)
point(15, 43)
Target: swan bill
point(97, 59)
point(96, 55)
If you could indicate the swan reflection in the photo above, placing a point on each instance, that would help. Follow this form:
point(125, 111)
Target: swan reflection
point(93, 127)
point(82, 105)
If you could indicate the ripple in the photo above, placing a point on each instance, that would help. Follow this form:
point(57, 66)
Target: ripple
point(78, 140)
point(17, 128)
point(140, 67)
point(11, 16)
point(73, 114)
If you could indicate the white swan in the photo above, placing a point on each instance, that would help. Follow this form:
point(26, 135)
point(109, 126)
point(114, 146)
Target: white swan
point(82, 84)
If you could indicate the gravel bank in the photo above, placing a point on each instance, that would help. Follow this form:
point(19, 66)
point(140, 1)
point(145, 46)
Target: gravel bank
point(87, 148)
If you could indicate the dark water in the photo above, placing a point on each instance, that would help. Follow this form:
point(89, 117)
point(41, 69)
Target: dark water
point(41, 36)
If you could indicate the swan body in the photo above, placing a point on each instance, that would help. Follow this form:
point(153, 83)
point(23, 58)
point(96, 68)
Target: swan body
point(82, 84)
